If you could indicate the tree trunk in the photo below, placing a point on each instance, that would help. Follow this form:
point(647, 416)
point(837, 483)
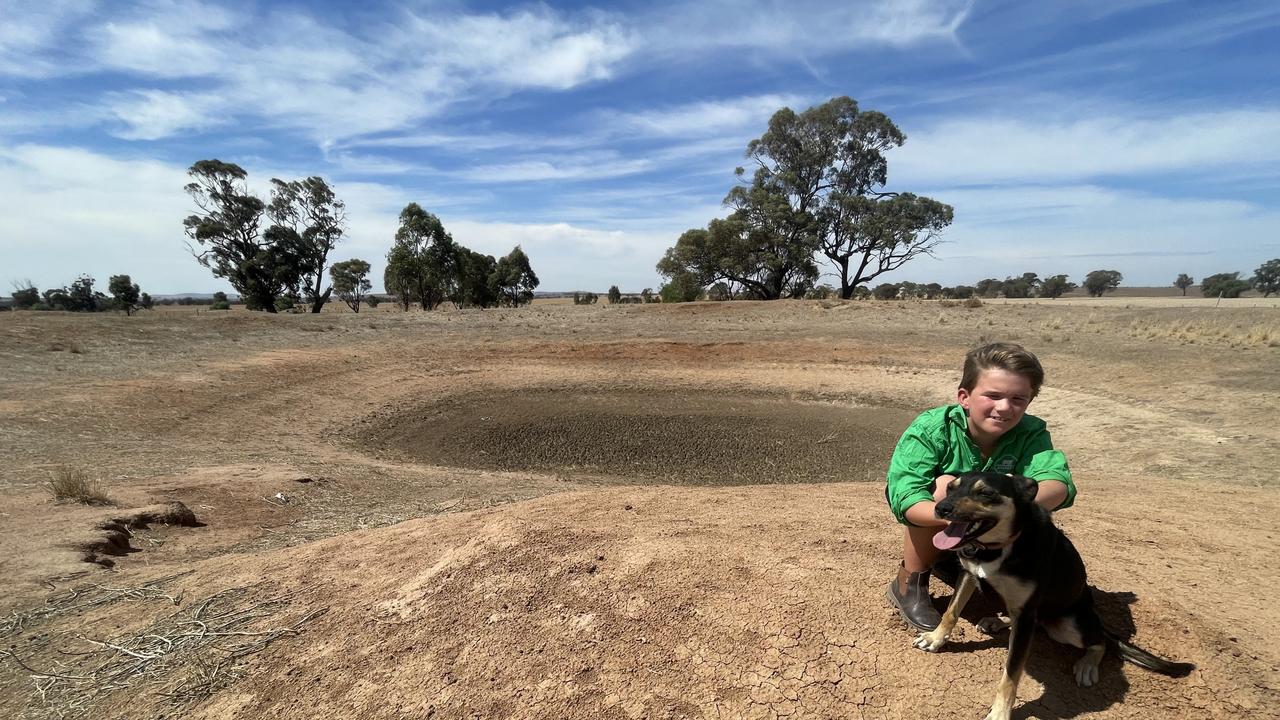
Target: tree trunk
point(321, 300)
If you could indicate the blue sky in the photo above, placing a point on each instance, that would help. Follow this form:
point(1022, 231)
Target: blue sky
point(1141, 136)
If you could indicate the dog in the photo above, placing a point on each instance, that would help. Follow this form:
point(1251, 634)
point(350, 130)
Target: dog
point(1008, 543)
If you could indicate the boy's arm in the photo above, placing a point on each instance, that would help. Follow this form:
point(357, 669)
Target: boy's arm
point(911, 477)
point(1049, 468)
point(1050, 494)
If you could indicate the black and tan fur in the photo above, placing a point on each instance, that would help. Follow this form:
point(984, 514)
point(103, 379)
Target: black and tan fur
point(1013, 548)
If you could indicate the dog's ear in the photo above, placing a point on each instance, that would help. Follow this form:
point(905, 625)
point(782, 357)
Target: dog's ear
point(1027, 487)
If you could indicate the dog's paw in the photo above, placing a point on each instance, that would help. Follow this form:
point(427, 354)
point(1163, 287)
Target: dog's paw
point(998, 715)
point(931, 641)
point(1086, 672)
point(994, 625)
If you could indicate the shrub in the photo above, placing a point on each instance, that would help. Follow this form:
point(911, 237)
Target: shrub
point(1225, 284)
point(973, 301)
point(220, 305)
point(73, 485)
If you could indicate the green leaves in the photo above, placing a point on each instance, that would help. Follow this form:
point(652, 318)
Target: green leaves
point(814, 188)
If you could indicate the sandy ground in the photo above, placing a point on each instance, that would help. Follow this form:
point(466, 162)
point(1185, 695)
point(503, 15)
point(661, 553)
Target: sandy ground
point(598, 512)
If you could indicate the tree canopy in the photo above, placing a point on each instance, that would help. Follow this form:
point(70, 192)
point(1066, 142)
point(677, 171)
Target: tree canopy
point(285, 260)
point(1266, 279)
point(426, 266)
point(310, 219)
point(1227, 285)
point(126, 295)
point(815, 189)
point(1183, 281)
point(351, 281)
point(1056, 286)
point(1098, 282)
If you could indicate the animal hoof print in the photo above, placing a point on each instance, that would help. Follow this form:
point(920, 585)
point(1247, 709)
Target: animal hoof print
point(929, 643)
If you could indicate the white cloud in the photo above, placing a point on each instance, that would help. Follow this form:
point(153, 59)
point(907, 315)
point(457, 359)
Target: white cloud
point(67, 211)
point(568, 257)
point(154, 114)
point(749, 115)
point(578, 167)
point(1078, 228)
point(29, 29)
point(804, 27)
point(166, 39)
point(1005, 148)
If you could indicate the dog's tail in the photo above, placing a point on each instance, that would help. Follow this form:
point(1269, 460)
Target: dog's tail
point(1142, 658)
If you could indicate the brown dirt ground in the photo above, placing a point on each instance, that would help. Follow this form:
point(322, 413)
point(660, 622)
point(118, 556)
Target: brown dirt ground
point(599, 512)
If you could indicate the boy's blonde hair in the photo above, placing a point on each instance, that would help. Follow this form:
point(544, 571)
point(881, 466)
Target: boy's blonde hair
point(1007, 356)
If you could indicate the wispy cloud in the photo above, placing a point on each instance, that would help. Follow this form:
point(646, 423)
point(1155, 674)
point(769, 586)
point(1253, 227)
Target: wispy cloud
point(153, 114)
point(978, 150)
point(698, 119)
point(580, 167)
point(807, 26)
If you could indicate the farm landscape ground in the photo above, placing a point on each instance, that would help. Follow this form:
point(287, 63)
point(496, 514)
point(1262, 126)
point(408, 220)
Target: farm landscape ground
point(659, 511)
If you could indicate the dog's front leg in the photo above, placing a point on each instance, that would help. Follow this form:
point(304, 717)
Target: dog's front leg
point(1022, 629)
point(933, 640)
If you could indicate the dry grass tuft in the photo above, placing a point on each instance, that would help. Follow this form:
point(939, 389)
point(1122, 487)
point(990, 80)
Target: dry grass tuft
point(1188, 332)
point(73, 485)
point(973, 301)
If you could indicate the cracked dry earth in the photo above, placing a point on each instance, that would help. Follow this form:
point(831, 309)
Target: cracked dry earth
point(469, 528)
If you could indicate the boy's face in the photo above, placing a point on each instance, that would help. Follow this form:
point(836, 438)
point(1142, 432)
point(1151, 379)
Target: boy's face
point(997, 402)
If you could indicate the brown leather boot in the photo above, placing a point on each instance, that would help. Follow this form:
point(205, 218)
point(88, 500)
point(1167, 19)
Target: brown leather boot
point(909, 593)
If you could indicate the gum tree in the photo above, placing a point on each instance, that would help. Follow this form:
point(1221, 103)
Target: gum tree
point(309, 219)
point(1183, 282)
point(126, 295)
point(816, 188)
point(1266, 279)
point(351, 282)
point(1098, 282)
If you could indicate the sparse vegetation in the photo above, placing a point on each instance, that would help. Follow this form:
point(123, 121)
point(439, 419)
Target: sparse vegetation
point(125, 294)
point(1100, 282)
point(1227, 285)
point(1266, 279)
point(70, 484)
point(1183, 281)
point(351, 282)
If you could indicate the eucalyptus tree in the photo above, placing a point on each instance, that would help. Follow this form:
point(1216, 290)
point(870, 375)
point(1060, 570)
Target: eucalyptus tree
point(817, 187)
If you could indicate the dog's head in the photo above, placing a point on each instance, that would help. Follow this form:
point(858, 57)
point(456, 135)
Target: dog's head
point(982, 507)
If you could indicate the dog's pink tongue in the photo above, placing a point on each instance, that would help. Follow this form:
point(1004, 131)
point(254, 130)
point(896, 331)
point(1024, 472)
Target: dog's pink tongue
point(950, 536)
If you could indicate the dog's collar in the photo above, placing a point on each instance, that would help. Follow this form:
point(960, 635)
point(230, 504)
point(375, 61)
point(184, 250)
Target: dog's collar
point(973, 547)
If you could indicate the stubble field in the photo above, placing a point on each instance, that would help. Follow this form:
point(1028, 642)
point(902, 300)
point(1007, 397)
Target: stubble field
point(661, 511)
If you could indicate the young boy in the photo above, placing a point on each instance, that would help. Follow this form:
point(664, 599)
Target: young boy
point(987, 429)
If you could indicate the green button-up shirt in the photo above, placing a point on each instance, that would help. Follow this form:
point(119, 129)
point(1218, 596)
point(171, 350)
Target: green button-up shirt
point(938, 443)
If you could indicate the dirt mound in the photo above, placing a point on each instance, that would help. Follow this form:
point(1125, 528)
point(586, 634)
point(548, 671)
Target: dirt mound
point(663, 435)
point(111, 536)
point(744, 602)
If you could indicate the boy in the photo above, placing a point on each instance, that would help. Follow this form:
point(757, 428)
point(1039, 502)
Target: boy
point(987, 429)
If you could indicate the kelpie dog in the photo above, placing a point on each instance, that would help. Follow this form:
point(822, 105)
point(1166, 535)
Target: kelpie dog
point(1008, 543)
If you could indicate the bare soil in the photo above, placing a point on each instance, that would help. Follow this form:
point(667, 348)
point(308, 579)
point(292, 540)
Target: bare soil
point(607, 512)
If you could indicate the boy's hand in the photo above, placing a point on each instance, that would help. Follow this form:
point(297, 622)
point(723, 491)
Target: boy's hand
point(1050, 494)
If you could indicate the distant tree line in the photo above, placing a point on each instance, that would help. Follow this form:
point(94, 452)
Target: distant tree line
point(1266, 280)
point(80, 296)
point(284, 265)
